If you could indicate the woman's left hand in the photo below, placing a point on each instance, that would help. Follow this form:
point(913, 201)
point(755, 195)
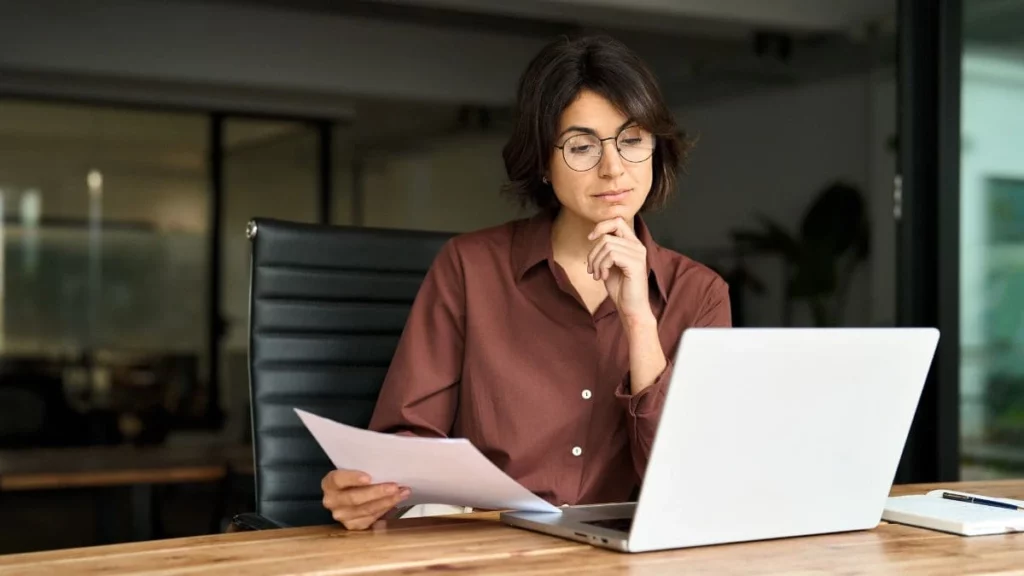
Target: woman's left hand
point(620, 260)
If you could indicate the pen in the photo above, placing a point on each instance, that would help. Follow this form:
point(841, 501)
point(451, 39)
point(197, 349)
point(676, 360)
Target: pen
point(983, 501)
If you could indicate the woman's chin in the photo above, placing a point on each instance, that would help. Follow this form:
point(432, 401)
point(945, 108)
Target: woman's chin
point(613, 211)
point(596, 214)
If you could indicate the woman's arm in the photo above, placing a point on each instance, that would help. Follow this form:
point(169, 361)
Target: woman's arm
point(646, 358)
point(642, 394)
point(420, 392)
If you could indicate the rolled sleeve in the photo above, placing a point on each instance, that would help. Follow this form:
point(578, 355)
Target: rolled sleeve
point(649, 400)
point(643, 412)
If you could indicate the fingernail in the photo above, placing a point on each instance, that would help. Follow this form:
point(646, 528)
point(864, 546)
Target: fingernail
point(405, 493)
point(364, 479)
point(391, 489)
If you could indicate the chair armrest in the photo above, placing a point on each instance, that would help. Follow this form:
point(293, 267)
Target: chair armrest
point(251, 521)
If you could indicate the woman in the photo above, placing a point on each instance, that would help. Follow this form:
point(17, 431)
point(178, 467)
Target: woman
point(547, 342)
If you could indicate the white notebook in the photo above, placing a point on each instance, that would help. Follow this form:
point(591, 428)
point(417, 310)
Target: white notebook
point(933, 511)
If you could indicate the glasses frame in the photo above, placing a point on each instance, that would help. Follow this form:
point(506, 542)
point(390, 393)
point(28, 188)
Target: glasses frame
point(602, 141)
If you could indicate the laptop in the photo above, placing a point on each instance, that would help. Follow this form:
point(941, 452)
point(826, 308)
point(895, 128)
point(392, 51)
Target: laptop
point(766, 433)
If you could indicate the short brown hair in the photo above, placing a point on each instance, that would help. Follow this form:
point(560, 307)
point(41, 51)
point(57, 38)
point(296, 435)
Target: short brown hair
point(553, 80)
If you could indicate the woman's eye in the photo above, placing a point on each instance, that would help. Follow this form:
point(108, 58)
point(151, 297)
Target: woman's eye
point(582, 149)
point(632, 141)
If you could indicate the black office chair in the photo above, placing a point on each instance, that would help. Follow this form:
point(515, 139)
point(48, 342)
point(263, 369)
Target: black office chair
point(327, 306)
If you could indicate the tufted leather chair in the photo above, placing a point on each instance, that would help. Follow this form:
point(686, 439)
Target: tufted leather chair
point(327, 306)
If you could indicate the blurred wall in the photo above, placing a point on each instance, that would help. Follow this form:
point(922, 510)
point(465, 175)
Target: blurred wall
point(771, 154)
point(450, 185)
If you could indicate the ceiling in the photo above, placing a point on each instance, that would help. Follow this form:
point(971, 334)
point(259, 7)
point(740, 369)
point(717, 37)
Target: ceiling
point(700, 49)
point(544, 18)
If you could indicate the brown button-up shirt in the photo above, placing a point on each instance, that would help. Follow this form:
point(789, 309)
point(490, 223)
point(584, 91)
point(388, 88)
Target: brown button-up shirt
point(499, 349)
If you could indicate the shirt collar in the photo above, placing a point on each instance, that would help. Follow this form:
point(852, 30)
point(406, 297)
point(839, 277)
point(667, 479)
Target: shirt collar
point(531, 245)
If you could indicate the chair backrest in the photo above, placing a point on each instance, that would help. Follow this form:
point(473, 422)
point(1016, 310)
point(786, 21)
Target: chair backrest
point(327, 307)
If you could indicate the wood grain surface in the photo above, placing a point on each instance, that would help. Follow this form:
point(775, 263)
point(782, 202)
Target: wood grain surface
point(59, 468)
point(477, 543)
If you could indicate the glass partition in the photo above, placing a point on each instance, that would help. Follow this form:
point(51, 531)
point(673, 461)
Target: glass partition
point(104, 235)
point(992, 240)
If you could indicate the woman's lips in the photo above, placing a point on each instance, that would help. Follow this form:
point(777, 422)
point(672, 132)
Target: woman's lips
point(613, 195)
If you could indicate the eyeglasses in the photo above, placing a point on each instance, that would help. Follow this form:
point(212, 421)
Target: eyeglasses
point(584, 151)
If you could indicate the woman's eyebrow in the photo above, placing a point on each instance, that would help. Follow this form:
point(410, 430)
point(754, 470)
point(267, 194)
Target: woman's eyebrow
point(583, 129)
point(591, 131)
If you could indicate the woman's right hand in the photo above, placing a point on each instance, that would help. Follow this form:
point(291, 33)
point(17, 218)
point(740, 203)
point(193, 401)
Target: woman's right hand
point(355, 502)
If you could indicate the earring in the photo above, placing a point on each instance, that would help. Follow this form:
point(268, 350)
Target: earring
point(544, 179)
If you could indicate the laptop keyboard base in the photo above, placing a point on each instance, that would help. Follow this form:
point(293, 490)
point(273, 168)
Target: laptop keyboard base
point(619, 524)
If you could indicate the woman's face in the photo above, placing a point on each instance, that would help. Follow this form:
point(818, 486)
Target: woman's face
point(591, 179)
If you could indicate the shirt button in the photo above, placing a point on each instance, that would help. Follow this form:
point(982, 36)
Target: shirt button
point(586, 394)
point(576, 450)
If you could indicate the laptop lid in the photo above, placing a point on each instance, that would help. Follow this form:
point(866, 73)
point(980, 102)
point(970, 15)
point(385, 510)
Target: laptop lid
point(769, 433)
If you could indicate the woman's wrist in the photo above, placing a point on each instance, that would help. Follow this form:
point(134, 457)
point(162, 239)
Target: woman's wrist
point(640, 325)
point(646, 357)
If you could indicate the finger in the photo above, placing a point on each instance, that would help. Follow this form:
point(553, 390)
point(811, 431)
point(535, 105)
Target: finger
point(603, 241)
point(363, 495)
point(604, 267)
point(622, 256)
point(628, 264)
point(359, 523)
point(348, 497)
point(344, 479)
point(616, 226)
point(595, 252)
point(347, 514)
point(363, 523)
point(377, 508)
point(599, 259)
point(370, 511)
point(610, 226)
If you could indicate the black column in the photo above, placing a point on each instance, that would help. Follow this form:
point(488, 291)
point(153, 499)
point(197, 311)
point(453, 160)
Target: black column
point(215, 323)
point(927, 207)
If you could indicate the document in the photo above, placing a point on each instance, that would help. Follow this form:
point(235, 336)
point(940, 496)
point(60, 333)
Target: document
point(436, 470)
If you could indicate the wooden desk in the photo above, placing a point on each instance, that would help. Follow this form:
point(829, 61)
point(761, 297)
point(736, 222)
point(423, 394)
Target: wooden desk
point(478, 543)
point(137, 469)
point(94, 466)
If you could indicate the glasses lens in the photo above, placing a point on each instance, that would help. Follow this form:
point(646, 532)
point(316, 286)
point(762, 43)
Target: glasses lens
point(635, 144)
point(582, 152)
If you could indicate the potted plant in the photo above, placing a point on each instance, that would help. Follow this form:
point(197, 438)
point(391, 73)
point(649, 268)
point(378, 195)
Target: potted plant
point(820, 259)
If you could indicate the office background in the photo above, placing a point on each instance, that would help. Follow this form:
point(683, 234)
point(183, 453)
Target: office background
point(137, 138)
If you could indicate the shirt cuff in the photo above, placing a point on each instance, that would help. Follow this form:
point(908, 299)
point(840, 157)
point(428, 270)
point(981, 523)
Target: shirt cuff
point(649, 400)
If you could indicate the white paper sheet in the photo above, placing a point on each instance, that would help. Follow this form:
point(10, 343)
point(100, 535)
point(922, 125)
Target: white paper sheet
point(436, 470)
